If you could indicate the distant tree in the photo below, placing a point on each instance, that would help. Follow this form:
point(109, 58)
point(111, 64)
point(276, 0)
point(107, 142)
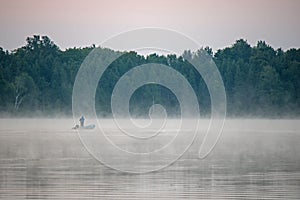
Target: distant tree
point(258, 80)
point(24, 88)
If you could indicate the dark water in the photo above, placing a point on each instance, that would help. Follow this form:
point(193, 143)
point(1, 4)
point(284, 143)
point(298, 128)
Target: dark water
point(255, 159)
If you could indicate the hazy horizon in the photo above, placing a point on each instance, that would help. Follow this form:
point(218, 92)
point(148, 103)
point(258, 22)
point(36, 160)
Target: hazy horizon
point(210, 23)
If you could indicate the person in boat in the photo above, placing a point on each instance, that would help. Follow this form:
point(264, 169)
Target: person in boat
point(81, 120)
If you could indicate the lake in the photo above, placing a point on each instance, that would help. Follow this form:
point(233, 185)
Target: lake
point(254, 159)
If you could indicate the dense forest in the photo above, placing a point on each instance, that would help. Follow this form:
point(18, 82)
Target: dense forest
point(37, 80)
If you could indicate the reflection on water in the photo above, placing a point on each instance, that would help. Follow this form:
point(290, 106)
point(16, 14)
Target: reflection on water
point(254, 159)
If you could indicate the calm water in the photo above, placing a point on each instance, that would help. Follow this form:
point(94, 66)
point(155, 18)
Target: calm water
point(255, 159)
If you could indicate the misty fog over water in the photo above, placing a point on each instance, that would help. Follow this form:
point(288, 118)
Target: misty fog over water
point(254, 158)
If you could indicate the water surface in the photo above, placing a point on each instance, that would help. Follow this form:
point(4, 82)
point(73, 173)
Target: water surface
point(254, 159)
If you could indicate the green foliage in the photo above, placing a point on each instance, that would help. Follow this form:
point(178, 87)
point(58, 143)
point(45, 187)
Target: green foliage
point(259, 81)
point(25, 91)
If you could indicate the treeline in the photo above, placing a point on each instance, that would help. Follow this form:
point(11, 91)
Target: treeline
point(37, 79)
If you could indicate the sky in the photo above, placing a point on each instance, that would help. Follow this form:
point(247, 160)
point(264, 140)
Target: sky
point(214, 23)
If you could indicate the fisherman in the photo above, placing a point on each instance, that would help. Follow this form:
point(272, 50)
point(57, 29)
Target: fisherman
point(81, 120)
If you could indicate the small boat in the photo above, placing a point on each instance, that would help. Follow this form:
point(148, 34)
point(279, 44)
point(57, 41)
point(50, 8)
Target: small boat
point(90, 126)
